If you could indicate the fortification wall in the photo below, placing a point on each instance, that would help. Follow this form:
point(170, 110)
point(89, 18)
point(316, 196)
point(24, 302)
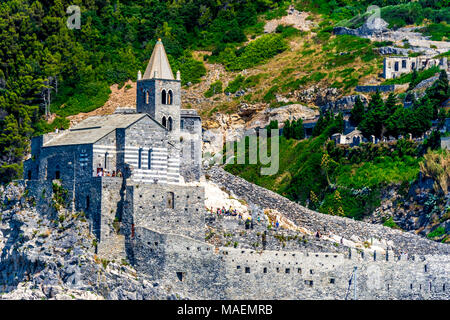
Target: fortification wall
point(168, 208)
point(203, 271)
point(303, 217)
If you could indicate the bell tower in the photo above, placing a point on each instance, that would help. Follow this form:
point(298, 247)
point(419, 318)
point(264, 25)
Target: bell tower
point(158, 92)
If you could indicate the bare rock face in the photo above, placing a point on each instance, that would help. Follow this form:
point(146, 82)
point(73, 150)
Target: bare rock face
point(281, 114)
point(316, 95)
point(294, 18)
point(345, 104)
point(51, 256)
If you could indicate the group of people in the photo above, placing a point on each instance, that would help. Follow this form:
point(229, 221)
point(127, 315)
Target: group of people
point(107, 173)
point(225, 212)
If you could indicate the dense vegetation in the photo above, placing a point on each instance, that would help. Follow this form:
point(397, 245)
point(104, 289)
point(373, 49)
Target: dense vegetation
point(340, 180)
point(335, 180)
point(45, 65)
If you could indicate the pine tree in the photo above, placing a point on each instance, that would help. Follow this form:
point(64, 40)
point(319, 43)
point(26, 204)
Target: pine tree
point(357, 112)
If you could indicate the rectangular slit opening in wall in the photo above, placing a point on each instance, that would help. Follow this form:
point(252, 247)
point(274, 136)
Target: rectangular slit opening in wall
point(288, 270)
point(265, 271)
point(332, 280)
point(238, 267)
point(247, 269)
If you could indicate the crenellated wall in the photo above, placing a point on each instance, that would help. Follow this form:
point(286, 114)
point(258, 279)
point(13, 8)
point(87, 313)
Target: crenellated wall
point(203, 271)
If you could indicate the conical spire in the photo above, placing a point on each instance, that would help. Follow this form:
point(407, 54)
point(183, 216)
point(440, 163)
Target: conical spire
point(158, 66)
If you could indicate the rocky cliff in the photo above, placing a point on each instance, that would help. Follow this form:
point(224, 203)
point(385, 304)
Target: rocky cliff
point(52, 256)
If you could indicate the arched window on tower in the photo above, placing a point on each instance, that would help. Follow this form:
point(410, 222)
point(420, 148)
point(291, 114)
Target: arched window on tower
point(170, 97)
point(164, 97)
point(164, 122)
point(147, 97)
point(170, 124)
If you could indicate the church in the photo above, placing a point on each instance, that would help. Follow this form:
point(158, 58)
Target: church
point(154, 148)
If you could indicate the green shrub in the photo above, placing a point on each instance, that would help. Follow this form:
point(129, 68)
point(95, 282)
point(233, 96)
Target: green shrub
point(438, 232)
point(391, 223)
point(215, 88)
point(255, 53)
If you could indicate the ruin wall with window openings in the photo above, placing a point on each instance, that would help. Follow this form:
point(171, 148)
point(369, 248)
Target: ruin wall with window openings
point(200, 270)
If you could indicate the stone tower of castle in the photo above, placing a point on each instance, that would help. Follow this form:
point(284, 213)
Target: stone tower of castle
point(158, 92)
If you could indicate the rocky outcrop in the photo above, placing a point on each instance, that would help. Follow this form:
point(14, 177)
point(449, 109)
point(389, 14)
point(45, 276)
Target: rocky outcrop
point(345, 104)
point(370, 28)
point(420, 210)
point(317, 95)
point(52, 256)
point(393, 50)
point(294, 18)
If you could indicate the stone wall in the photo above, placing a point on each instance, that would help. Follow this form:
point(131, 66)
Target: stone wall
point(312, 220)
point(202, 271)
point(382, 88)
point(168, 208)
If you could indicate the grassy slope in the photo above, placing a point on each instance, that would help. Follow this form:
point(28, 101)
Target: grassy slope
point(301, 171)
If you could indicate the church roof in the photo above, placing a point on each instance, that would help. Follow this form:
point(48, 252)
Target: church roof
point(158, 63)
point(94, 128)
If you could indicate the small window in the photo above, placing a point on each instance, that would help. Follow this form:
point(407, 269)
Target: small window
point(164, 122)
point(170, 200)
point(311, 271)
point(29, 174)
point(140, 159)
point(107, 160)
point(299, 270)
point(182, 124)
point(149, 159)
point(238, 267)
point(288, 270)
point(57, 174)
point(247, 269)
point(147, 97)
point(332, 280)
point(403, 64)
point(265, 270)
point(180, 276)
point(88, 202)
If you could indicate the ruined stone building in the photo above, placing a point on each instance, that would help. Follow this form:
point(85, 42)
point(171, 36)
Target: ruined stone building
point(393, 67)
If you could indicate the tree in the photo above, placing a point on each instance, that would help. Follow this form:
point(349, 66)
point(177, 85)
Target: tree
point(374, 121)
point(299, 131)
point(357, 112)
point(287, 130)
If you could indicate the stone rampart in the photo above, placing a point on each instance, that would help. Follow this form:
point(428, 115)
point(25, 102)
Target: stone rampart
point(202, 271)
point(303, 217)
